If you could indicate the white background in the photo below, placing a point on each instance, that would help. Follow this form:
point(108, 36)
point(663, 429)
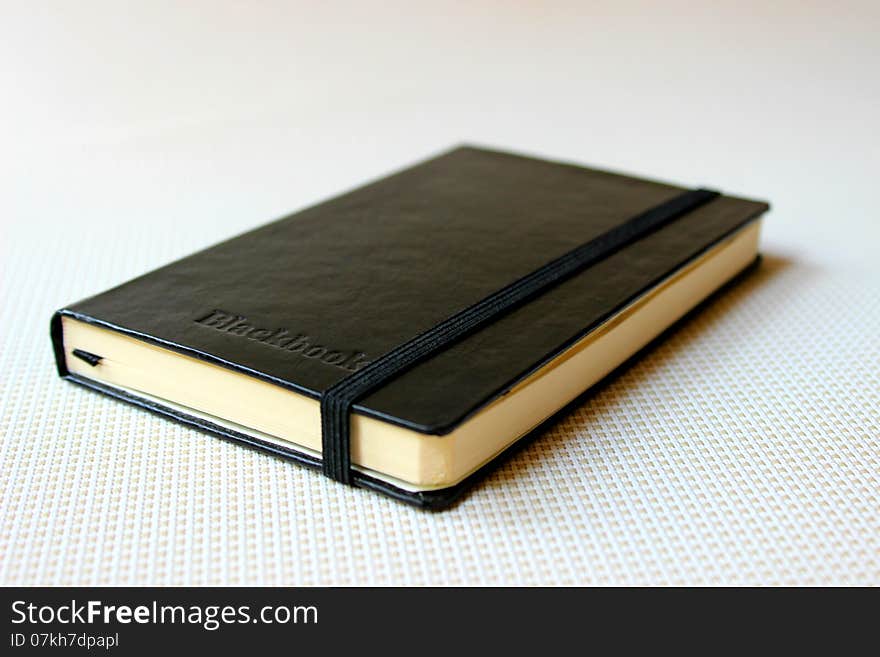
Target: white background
point(745, 451)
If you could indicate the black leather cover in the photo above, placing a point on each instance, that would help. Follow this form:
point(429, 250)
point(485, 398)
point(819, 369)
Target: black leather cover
point(322, 291)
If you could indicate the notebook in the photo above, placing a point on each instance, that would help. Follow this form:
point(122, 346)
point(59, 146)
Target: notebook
point(403, 336)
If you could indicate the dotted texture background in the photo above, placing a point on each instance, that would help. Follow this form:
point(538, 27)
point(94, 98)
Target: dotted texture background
point(743, 450)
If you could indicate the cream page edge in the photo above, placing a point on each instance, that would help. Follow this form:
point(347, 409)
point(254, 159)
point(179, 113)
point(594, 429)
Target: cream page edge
point(403, 457)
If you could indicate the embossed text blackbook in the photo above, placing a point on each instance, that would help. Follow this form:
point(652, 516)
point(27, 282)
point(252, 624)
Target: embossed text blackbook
point(402, 336)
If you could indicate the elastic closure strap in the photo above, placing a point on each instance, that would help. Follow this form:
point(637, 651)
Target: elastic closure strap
point(336, 402)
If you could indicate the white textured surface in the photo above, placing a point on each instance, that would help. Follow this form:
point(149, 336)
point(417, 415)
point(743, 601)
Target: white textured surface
point(743, 450)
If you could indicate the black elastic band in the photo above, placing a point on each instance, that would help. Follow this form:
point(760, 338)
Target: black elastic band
point(337, 401)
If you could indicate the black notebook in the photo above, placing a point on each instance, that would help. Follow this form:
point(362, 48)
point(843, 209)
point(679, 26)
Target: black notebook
point(404, 335)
